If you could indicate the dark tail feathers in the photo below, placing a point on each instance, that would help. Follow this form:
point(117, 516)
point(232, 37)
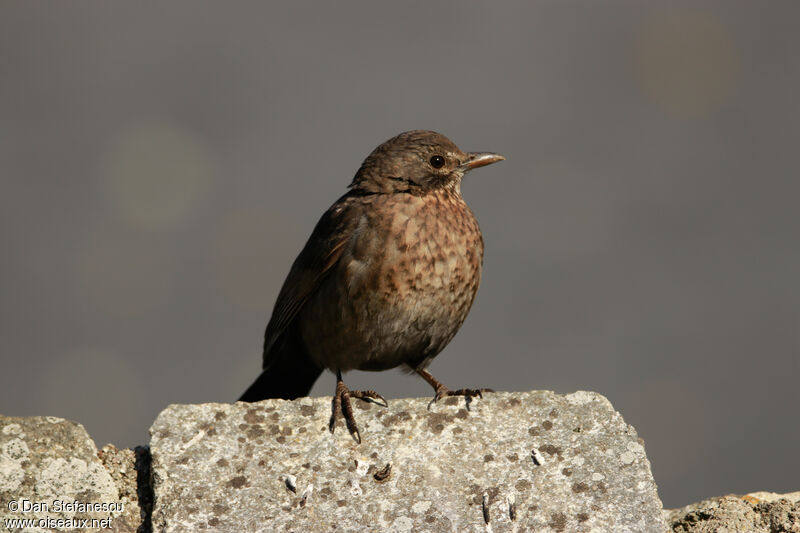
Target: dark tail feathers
point(290, 375)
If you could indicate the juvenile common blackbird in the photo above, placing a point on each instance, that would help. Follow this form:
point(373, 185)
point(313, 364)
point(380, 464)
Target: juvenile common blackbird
point(386, 278)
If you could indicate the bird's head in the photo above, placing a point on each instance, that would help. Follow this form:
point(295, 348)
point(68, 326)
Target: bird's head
point(417, 161)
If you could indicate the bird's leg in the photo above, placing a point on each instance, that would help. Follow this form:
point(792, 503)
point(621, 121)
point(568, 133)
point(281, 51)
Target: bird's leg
point(342, 406)
point(441, 391)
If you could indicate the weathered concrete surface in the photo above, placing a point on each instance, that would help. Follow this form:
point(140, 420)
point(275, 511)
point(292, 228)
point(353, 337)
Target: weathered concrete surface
point(757, 512)
point(50, 471)
point(273, 466)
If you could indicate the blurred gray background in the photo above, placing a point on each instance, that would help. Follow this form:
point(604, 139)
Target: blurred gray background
point(161, 165)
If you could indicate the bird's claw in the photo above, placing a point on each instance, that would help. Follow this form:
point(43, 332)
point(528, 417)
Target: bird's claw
point(468, 394)
point(369, 396)
point(342, 406)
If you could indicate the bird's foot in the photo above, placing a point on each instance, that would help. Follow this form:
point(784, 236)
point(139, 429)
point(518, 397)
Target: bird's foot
point(343, 408)
point(442, 391)
point(468, 394)
point(369, 396)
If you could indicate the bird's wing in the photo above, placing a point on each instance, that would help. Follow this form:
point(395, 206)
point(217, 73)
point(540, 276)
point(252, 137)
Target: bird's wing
point(320, 254)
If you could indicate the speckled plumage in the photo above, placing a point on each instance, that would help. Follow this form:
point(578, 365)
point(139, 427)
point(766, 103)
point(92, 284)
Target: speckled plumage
point(388, 275)
point(403, 285)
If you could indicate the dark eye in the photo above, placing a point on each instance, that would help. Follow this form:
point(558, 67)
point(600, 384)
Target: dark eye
point(437, 161)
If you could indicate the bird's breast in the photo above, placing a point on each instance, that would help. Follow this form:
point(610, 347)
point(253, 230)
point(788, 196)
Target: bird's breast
point(404, 284)
point(417, 281)
point(433, 247)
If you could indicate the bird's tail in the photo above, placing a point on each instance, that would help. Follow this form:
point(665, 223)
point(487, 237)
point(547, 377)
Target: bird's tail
point(291, 373)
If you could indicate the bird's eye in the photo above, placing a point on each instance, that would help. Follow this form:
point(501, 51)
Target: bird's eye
point(437, 161)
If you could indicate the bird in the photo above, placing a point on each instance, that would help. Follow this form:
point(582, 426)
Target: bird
point(386, 278)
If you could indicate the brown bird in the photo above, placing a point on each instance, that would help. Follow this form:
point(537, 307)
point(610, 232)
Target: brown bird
point(386, 278)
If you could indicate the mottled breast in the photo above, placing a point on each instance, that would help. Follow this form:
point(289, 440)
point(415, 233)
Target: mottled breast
point(403, 286)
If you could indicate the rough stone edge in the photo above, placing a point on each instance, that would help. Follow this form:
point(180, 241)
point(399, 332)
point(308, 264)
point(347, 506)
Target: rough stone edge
point(118, 461)
point(701, 516)
point(112, 457)
point(577, 398)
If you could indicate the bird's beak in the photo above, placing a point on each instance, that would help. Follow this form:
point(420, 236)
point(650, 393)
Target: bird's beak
point(480, 159)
